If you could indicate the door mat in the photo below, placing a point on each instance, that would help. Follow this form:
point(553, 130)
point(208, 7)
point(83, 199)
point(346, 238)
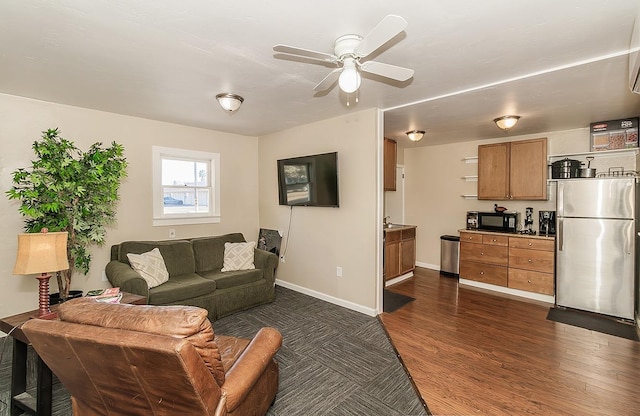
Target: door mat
point(594, 322)
point(393, 301)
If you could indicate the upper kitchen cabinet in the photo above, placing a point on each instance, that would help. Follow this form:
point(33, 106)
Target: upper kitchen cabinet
point(390, 156)
point(513, 170)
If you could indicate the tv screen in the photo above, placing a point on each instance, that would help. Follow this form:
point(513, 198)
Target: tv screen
point(309, 180)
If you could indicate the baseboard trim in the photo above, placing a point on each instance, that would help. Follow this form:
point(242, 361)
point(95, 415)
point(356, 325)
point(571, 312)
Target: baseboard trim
point(509, 291)
point(398, 279)
point(435, 267)
point(328, 298)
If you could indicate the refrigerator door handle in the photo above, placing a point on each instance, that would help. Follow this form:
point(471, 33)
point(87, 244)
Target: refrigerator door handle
point(560, 234)
point(560, 200)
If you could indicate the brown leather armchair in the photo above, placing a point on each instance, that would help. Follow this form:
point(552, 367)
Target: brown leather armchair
point(155, 360)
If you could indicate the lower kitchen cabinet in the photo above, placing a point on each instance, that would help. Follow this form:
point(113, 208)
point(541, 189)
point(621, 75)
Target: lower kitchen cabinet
point(519, 262)
point(399, 251)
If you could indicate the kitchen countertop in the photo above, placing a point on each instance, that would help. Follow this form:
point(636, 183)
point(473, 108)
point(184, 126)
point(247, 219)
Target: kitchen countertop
point(396, 227)
point(541, 237)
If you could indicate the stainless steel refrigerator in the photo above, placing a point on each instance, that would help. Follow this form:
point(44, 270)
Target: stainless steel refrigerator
point(596, 245)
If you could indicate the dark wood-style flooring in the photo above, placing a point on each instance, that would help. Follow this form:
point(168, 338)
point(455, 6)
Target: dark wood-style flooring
point(471, 352)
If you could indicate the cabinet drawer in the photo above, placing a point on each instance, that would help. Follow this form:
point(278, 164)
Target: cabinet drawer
point(495, 240)
point(408, 234)
point(541, 261)
point(392, 236)
point(486, 273)
point(483, 253)
point(532, 243)
point(531, 281)
point(471, 237)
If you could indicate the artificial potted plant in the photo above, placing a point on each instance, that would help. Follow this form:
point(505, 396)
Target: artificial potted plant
point(67, 189)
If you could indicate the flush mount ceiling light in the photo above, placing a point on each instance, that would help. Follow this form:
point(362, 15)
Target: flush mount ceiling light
point(415, 135)
point(506, 122)
point(230, 102)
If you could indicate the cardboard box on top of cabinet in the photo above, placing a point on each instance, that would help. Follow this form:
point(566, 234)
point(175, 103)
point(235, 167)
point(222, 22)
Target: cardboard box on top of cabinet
point(614, 134)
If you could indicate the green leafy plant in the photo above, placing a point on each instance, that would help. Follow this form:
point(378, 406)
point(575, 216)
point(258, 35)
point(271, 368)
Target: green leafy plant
point(67, 189)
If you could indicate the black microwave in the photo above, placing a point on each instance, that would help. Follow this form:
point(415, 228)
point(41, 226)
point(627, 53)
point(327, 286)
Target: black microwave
point(506, 222)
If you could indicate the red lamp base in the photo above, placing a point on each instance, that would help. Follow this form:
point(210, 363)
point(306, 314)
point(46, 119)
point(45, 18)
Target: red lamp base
point(44, 310)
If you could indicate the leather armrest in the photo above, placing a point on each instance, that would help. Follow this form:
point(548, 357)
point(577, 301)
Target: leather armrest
point(250, 365)
point(128, 280)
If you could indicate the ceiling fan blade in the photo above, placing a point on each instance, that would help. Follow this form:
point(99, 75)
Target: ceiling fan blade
point(388, 71)
point(384, 31)
point(292, 50)
point(328, 81)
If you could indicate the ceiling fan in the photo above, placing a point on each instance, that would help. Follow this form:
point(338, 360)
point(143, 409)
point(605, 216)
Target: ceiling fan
point(348, 52)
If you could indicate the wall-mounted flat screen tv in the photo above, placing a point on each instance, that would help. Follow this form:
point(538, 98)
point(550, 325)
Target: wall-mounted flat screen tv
point(309, 180)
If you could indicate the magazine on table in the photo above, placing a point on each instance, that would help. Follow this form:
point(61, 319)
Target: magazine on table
point(109, 295)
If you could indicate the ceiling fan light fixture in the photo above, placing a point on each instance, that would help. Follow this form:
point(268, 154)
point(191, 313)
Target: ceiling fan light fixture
point(506, 122)
point(415, 135)
point(229, 102)
point(350, 78)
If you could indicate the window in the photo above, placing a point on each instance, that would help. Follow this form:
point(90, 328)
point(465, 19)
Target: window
point(186, 186)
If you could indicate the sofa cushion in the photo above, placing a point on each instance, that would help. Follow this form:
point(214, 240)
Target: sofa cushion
point(186, 322)
point(209, 251)
point(233, 279)
point(182, 287)
point(177, 254)
point(238, 256)
point(150, 266)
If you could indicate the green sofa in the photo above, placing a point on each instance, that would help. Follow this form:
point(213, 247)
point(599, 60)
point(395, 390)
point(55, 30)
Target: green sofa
point(195, 278)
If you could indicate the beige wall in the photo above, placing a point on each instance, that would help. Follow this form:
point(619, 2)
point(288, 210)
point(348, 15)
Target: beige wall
point(21, 123)
point(434, 186)
point(321, 239)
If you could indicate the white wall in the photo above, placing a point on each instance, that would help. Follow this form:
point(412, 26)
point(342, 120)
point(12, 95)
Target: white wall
point(321, 239)
point(434, 186)
point(21, 123)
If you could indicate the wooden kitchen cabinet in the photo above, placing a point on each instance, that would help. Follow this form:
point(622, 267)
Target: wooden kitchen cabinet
point(513, 170)
point(399, 252)
point(484, 258)
point(531, 265)
point(516, 261)
point(390, 162)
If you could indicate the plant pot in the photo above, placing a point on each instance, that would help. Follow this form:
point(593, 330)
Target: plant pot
point(54, 298)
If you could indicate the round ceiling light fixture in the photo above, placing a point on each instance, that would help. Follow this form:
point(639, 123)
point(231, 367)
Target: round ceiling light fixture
point(506, 122)
point(415, 135)
point(229, 102)
point(350, 78)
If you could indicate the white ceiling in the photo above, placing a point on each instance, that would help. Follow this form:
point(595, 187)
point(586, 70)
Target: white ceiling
point(558, 64)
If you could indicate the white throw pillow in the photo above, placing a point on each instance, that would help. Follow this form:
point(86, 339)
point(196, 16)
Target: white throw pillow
point(150, 266)
point(238, 256)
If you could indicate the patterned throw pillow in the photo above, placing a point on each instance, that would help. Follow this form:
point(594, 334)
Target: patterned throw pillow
point(150, 266)
point(238, 256)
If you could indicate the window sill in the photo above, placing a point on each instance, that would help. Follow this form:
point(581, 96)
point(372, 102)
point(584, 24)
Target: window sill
point(159, 222)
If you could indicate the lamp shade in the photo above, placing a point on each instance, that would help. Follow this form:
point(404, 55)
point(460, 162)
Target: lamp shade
point(41, 253)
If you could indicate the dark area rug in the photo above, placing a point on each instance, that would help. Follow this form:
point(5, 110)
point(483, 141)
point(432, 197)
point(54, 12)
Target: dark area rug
point(593, 322)
point(333, 361)
point(393, 301)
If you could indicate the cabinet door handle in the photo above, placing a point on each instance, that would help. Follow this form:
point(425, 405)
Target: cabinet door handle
point(482, 254)
point(529, 281)
point(529, 260)
point(530, 244)
point(494, 240)
point(481, 273)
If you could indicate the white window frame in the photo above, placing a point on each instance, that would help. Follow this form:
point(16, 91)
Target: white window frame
point(159, 217)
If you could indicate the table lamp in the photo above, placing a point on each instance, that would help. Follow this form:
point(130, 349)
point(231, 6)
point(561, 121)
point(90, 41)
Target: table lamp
point(42, 253)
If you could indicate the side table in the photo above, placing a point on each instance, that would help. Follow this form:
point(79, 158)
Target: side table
point(21, 401)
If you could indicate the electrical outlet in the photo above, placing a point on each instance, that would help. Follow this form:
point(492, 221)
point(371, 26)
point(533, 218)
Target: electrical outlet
point(339, 271)
point(282, 259)
point(172, 233)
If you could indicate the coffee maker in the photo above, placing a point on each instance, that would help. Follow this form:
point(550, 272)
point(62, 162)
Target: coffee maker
point(547, 223)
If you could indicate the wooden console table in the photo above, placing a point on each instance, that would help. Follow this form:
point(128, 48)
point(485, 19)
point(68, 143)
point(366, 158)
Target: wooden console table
point(21, 401)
